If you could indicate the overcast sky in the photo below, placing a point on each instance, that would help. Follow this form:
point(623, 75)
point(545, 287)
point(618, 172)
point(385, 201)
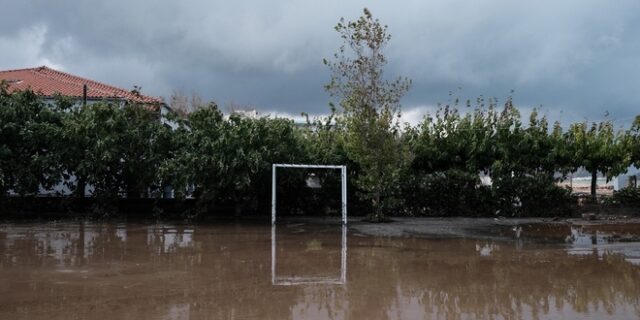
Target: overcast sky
point(578, 59)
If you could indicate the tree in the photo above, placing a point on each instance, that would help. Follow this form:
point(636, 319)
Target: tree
point(451, 140)
point(632, 142)
point(324, 140)
point(228, 160)
point(182, 104)
point(29, 130)
point(117, 150)
point(194, 162)
point(147, 142)
point(248, 148)
point(561, 155)
point(371, 109)
point(598, 148)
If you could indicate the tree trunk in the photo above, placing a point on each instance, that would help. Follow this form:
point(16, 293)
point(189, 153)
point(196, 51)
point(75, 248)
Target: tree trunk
point(594, 178)
point(134, 192)
point(80, 186)
point(377, 214)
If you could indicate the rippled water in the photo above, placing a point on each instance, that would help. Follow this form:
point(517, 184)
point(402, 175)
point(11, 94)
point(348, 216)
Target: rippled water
point(301, 271)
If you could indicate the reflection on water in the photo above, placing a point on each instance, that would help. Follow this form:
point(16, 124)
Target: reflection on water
point(172, 271)
point(301, 256)
point(601, 243)
point(167, 239)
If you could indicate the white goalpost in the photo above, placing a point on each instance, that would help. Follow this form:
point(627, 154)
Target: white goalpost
point(343, 175)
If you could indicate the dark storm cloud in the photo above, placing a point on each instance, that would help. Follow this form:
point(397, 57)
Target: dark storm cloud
point(576, 58)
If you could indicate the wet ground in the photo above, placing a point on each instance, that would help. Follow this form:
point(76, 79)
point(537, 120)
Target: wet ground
point(408, 269)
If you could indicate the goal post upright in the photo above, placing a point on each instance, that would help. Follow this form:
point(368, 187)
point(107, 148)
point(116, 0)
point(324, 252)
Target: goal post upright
point(343, 172)
point(273, 193)
point(343, 178)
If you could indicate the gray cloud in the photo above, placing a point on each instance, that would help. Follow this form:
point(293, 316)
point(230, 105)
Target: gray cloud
point(576, 58)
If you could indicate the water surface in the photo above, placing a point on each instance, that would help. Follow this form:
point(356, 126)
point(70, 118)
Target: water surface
point(89, 270)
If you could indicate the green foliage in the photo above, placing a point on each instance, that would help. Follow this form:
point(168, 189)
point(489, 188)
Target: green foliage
point(194, 161)
point(629, 196)
point(450, 140)
point(598, 148)
point(452, 192)
point(29, 130)
point(117, 150)
point(453, 149)
point(371, 107)
point(530, 195)
point(249, 148)
point(325, 140)
point(228, 161)
point(632, 142)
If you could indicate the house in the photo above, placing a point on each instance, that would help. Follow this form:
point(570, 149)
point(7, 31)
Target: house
point(48, 83)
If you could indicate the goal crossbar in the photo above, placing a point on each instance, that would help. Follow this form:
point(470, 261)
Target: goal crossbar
point(343, 175)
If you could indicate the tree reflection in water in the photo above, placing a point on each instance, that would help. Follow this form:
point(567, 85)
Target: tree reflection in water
point(136, 271)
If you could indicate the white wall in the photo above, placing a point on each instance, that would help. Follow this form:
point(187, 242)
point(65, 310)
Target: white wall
point(622, 180)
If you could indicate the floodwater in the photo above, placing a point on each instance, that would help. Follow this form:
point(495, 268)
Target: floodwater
point(95, 270)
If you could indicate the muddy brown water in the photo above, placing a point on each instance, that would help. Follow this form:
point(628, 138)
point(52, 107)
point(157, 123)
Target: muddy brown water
point(88, 270)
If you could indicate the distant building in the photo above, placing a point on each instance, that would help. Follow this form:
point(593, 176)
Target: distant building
point(628, 179)
point(48, 83)
point(248, 113)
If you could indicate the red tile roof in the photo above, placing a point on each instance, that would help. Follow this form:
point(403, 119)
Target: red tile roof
point(48, 82)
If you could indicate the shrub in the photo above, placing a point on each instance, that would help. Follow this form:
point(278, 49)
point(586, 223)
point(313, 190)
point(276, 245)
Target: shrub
point(628, 196)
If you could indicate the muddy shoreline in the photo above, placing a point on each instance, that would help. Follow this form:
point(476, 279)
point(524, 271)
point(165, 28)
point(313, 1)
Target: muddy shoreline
point(617, 229)
point(421, 227)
